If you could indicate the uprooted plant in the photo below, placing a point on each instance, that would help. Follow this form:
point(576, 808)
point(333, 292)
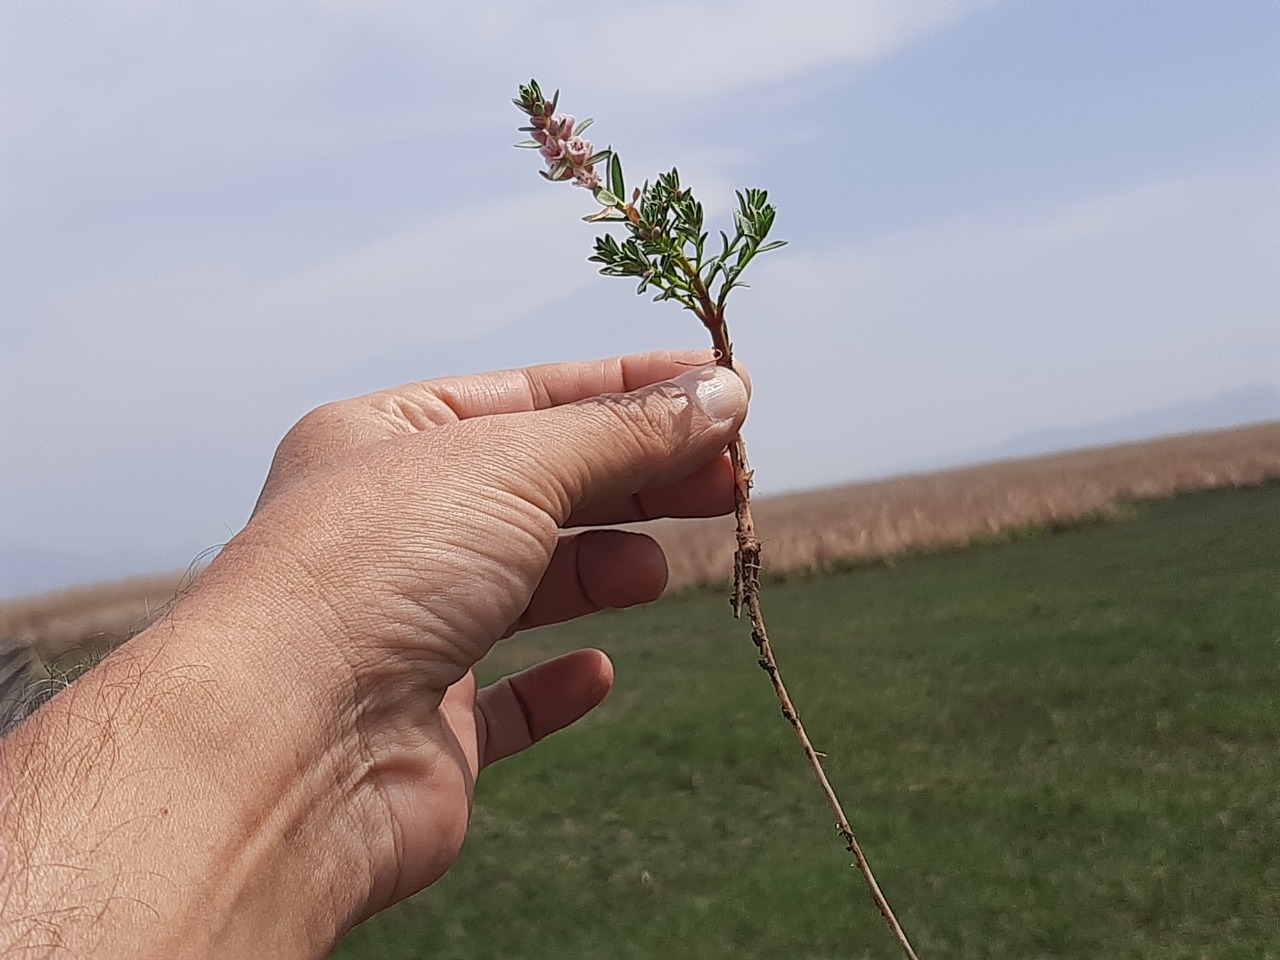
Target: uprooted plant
point(666, 248)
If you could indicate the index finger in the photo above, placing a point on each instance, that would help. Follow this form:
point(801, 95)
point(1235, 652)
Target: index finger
point(427, 403)
point(330, 431)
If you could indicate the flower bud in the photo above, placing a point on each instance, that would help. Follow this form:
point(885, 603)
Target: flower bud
point(552, 150)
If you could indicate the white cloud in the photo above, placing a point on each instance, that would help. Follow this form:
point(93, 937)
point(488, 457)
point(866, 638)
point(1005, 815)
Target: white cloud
point(157, 93)
point(663, 48)
point(123, 116)
point(709, 50)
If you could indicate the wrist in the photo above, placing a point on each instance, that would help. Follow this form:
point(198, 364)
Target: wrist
point(187, 747)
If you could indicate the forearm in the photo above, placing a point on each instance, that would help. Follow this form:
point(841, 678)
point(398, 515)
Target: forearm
point(146, 814)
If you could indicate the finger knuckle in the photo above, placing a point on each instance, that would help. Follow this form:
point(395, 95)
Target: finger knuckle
point(315, 427)
point(315, 437)
point(650, 420)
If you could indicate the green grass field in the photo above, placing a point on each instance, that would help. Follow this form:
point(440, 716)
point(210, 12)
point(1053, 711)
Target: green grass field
point(1065, 745)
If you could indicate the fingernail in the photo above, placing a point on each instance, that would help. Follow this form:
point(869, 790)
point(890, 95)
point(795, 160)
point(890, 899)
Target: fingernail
point(717, 390)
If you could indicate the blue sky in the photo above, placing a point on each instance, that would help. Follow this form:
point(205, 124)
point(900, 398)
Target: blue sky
point(1003, 216)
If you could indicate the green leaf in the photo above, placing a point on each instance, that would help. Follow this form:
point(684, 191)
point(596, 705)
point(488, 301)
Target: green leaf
point(583, 125)
point(616, 181)
point(603, 196)
point(527, 144)
point(598, 157)
point(772, 245)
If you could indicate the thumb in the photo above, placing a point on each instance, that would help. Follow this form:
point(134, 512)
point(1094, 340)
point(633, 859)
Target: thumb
point(614, 445)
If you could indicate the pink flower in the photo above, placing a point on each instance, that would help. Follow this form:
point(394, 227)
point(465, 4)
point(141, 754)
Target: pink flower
point(561, 125)
point(553, 151)
point(586, 177)
point(578, 150)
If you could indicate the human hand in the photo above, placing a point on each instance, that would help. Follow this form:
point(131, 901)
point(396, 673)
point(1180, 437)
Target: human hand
point(425, 525)
point(398, 537)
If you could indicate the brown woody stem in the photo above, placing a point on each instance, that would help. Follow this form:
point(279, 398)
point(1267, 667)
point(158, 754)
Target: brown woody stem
point(746, 595)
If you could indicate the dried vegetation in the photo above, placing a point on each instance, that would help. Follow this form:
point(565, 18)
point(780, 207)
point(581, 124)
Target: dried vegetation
point(831, 528)
point(86, 621)
point(816, 530)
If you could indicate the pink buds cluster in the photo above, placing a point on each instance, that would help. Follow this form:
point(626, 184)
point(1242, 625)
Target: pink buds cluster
point(568, 155)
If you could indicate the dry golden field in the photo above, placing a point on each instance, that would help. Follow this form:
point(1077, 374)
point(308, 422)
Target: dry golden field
point(882, 518)
point(812, 530)
point(87, 620)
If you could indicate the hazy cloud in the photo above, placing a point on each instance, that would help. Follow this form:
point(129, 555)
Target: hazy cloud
point(978, 328)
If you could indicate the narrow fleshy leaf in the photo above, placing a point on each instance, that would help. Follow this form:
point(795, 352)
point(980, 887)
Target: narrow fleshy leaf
point(616, 182)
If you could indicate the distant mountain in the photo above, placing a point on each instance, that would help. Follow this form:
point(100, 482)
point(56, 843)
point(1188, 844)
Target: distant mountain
point(1231, 409)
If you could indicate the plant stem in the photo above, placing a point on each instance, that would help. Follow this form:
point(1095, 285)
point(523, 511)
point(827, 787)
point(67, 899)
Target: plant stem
point(746, 593)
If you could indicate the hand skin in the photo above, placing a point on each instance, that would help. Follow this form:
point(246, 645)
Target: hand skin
point(295, 746)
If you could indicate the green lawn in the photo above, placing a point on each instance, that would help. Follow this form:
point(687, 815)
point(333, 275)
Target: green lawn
point(1059, 746)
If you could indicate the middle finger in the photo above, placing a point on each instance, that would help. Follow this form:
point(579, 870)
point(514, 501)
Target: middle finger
point(707, 492)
